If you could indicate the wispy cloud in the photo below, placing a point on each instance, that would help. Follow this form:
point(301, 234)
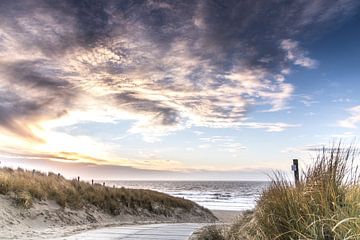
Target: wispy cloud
point(148, 163)
point(341, 100)
point(353, 120)
point(297, 55)
point(270, 126)
point(223, 143)
point(307, 100)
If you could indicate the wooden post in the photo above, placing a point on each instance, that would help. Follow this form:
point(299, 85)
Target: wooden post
point(33, 172)
point(92, 181)
point(78, 179)
point(295, 168)
point(59, 175)
point(104, 184)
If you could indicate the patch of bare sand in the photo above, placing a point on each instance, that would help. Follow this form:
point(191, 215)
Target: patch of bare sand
point(226, 216)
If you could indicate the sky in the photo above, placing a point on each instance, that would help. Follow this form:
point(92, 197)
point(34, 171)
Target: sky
point(176, 90)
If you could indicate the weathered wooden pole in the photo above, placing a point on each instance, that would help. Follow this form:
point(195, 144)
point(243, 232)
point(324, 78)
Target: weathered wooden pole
point(104, 184)
point(78, 179)
point(92, 181)
point(295, 169)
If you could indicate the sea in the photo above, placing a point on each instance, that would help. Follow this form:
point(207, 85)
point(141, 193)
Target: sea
point(214, 195)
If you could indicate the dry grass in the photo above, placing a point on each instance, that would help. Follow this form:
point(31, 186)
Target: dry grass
point(213, 232)
point(325, 205)
point(25, 188)
point(238, 230)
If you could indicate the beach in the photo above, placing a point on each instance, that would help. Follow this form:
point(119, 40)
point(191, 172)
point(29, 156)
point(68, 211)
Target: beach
point(214, 195)
point(226, 216)
point(34, 205)
point(48, 220)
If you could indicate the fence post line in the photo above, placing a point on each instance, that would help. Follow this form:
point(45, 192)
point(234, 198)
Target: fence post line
point(295, 169)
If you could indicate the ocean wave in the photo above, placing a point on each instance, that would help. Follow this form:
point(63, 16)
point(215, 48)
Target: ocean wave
point(236, 196)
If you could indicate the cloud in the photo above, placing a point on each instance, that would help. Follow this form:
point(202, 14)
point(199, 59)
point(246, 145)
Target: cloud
point(88, 171)
point(307, 100)
point(341, 100)
point(166, 65)
point(223, 143)
point(144, 163)
point(30, 92)
point(296, 55)
point(269, 127)
point(353, 119)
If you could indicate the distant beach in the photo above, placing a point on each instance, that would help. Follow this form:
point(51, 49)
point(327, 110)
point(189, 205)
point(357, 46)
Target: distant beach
point(214, 195)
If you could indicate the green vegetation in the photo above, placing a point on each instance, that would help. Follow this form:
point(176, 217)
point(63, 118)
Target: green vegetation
point(325, 205)
point(25, 187)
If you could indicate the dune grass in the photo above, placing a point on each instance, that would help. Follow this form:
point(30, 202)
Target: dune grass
point(324, 205)
point(25, 187)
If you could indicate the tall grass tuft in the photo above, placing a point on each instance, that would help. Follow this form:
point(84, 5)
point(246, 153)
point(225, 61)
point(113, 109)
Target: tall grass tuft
point(324, 205)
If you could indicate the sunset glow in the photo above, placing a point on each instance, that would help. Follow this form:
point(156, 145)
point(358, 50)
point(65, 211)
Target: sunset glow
point(172, 89)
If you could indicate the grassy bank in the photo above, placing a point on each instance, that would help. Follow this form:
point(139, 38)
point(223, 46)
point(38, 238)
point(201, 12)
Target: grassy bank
point(325, 205)
point(25, 187)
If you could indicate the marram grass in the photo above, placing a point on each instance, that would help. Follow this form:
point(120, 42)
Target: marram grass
point(324, 205)
point(26, 187)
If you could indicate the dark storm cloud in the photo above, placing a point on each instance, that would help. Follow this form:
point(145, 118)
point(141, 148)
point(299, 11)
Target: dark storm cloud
point(206, 62)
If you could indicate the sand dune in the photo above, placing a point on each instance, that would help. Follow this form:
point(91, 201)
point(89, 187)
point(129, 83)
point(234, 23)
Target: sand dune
point(47, 220)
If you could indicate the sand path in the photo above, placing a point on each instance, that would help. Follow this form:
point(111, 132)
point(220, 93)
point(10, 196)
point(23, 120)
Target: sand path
point(178, 231)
